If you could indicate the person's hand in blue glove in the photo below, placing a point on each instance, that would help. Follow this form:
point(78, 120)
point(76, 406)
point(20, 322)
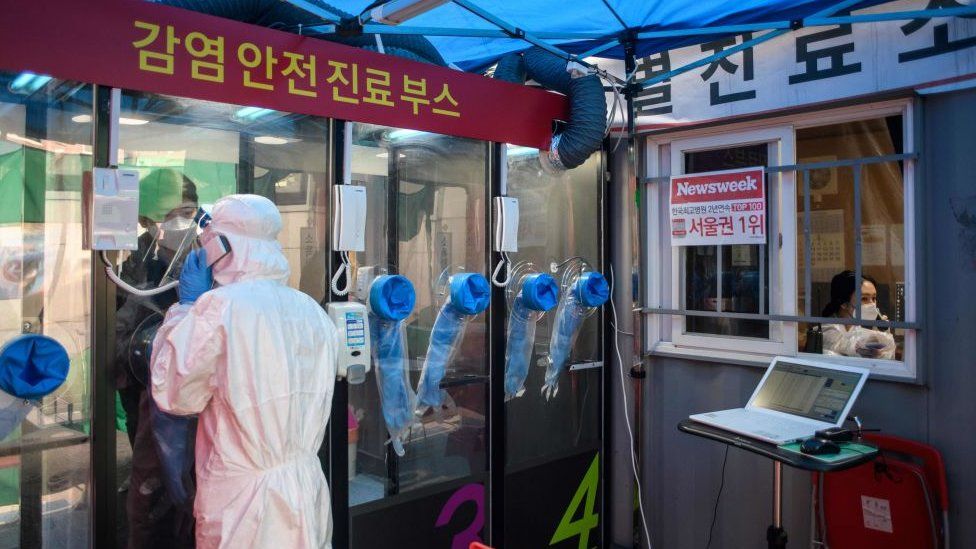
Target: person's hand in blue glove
point(196, 278)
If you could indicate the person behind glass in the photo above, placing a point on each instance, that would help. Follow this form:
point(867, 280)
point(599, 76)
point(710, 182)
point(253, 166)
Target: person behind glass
point(847, 340)
point(167, 202)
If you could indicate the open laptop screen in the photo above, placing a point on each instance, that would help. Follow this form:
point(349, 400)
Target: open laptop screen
point(808, 391)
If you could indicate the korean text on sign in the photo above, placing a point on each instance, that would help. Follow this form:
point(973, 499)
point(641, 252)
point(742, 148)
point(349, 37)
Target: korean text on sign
point(718, 208)
point(166, 50)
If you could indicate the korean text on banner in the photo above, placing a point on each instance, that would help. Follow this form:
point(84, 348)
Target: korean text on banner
point(719, 208)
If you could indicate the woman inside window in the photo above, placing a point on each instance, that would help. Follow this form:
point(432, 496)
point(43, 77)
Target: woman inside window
point(847, 340)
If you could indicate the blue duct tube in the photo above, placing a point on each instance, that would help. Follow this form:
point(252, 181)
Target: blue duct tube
point(588, 292)
point(32, 366)
point(470, 295)
point(587, 103)
point(391, 299)
point(539, 293)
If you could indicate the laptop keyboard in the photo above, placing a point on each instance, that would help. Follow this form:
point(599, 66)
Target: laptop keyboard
point(762, 425)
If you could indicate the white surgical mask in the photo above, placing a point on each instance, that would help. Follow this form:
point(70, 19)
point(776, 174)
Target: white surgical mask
point(869, 311)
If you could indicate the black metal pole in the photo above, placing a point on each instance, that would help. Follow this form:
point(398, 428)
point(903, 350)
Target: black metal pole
point(496, 364)
point(104, 493)
point(337, 439)
point(32, 306)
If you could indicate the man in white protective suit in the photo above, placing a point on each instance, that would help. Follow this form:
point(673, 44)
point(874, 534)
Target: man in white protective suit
point(257, 361)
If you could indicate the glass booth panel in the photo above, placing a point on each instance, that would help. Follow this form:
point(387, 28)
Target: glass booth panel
point(560, 220)
point(190, 153)
point(727, 278)
point(45, 288)
point(833, 240)
point(427, 197)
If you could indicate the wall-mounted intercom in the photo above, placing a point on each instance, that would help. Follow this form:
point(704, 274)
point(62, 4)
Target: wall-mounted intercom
point(505, 213)
point(349, 218)
point(354, 352)
point(111, 209)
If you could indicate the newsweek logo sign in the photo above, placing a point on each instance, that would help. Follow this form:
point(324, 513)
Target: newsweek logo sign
point(719, 208)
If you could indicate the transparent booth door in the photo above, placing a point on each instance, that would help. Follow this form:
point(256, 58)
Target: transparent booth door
point(45, 290)
point(190, 153)
point(553, 425)
point(560, 226)
point(427, 197)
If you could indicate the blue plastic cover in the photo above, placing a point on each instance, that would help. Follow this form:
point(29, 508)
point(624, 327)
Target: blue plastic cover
point(391, 297)
point(539, 292)
point(592, 289)
point(470, 293)
point(32, 366)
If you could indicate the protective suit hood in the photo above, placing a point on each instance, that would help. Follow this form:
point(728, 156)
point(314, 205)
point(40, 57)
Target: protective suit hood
point(251, 224)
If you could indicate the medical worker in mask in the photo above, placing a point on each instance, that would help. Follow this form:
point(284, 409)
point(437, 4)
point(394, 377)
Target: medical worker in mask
point(847, 340)
point(257, 361)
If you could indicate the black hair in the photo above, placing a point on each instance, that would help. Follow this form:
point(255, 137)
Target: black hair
point(189, 190)
point(842, 287)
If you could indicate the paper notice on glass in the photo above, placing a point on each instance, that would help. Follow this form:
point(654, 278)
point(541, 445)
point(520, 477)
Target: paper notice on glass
point(874, 245)
point(719, 208)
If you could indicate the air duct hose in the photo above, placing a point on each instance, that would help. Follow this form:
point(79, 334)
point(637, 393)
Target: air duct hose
point(586, 127)
point(277, 14)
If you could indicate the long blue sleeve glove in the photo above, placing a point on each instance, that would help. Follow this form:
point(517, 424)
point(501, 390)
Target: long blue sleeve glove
point(539, 293)
point(175, 437)
point(588, 292)
point(196, 278)
point(391, 299)
point(470, 295)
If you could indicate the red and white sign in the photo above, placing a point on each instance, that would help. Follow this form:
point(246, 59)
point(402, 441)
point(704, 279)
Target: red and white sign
point(719, 208)
point(149, 47)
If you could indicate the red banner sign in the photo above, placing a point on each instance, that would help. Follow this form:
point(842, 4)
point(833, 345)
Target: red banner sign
point(717, 208)
point(148, 47)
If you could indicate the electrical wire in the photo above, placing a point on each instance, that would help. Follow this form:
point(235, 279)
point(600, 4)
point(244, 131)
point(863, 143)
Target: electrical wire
point(110, 271)
point(630, 431)
point(507, 262)
point(718, 497)
point(344, 267)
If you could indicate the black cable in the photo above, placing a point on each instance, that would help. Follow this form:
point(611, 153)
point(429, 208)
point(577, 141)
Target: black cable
point(718, 497)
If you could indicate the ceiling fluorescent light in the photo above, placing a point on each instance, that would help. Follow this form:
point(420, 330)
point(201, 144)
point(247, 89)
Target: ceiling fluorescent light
point(403, 134)
point(251, 113)
point(28, 82)
point(398, 11)
point(270, 140)
point(520, 151)
point(132, 121)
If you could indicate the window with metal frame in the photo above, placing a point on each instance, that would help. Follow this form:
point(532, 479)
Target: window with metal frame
point(837, 274)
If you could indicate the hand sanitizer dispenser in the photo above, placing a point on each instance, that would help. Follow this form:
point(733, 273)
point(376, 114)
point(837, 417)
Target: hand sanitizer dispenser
point(354, 345)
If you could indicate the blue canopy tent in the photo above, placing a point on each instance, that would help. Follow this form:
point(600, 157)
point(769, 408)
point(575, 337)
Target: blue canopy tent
point(473, 34)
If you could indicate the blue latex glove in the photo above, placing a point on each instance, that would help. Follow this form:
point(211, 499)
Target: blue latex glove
point(196, 278)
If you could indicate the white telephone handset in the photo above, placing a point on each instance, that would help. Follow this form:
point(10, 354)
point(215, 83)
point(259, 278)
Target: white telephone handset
point(349, 219)
point(505, 216)
point(348, 229)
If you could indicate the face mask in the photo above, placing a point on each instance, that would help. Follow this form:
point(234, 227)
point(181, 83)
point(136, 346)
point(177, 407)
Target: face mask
point(869, 311)
point(176, 232)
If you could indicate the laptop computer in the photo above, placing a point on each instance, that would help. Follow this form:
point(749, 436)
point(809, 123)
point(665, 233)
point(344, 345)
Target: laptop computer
point(795, 398)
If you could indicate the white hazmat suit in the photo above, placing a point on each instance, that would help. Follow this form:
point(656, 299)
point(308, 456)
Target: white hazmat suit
point(257, 361)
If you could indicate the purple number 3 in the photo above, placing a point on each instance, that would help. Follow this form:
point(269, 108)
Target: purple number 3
point(469, 492)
